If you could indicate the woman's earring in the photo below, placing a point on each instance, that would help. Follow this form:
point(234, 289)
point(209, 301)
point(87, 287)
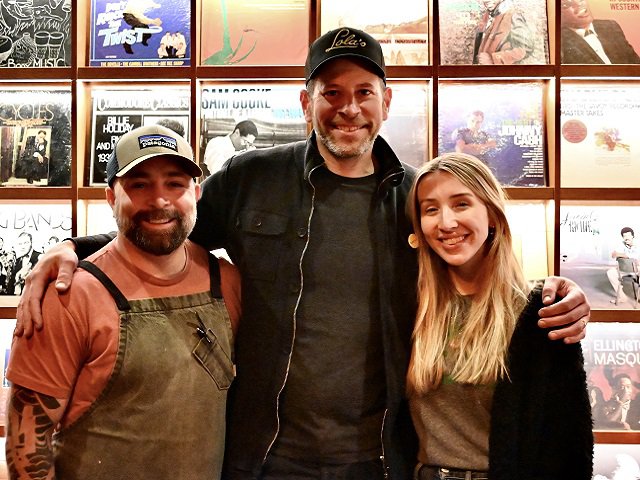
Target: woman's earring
point(413, 241)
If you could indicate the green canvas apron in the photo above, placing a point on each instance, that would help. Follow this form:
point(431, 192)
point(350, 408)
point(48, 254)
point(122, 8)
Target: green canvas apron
point(162, 412)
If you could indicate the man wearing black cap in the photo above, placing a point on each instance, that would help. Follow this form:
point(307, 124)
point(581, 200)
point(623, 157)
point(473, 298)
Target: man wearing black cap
point(144, 335)
point(319, 233)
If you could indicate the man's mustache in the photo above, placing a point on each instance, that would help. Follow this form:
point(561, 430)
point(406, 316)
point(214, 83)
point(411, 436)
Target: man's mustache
point(156, 215)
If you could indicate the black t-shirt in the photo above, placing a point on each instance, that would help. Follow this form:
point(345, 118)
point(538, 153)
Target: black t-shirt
point(333, 402)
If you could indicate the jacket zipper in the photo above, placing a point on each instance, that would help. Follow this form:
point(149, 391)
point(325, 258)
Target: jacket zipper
point(388, 177)
point(383, 456)
point(295, 311)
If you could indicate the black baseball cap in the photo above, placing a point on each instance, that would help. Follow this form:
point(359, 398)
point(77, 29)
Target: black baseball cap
point(344, 42)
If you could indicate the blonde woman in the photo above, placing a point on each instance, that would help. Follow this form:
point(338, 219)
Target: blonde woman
point(491, 396)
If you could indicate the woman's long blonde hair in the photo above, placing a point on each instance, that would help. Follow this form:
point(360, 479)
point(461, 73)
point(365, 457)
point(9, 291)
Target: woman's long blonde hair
point(483, 338)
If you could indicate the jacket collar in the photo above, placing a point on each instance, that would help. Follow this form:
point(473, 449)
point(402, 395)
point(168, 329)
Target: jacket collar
point(389, 170)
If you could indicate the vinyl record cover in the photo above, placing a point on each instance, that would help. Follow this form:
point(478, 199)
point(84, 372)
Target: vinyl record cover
point(600, 32)
point(406, 129)
point(238, 117)
point(27, 229)
point(513, 32)
point(530, 223)
point(591, 238)
point(35, 33)
point(403, 31)
point(612, 363)
point(600, 146)
point(116, 112)
point(616, 461)
point(254, 32)
point(35, 137)
point(96, 217)
point(140, 33)
point(500, 123)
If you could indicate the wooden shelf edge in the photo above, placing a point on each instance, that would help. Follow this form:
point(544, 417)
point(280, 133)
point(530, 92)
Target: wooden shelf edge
point(36, 193)
point(601, 194)
point(253, 73)
point(616, 437)
point(615, 316)
point(38, 74)
point(529, 193)
point(7, 312)
point(604, 71)
point(91, 193)
point(408, 72)
point(495, 71)
point(128, 73)
point(297, 71)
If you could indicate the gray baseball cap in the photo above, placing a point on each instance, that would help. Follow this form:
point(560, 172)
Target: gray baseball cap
point(147, 142)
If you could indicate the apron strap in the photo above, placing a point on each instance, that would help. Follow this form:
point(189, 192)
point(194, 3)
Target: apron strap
point(214, 276)
point(120, 299)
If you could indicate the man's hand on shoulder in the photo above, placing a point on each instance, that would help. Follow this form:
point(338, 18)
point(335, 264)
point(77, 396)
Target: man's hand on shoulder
point(571, 312)
point(57, 264)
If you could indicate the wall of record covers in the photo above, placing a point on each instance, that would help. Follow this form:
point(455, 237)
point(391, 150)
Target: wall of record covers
point(555, 116)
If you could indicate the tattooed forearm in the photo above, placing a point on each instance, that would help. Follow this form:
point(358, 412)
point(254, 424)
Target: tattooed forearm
point(29, 429)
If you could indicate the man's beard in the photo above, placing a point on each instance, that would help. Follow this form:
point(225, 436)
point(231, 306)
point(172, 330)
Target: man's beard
point(345, 151)
point(156, 243)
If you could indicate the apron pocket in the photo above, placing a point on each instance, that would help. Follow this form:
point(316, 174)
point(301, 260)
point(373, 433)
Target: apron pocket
point(215, 360)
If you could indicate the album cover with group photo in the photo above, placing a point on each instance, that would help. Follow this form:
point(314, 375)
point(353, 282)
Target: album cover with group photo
point(27, 230)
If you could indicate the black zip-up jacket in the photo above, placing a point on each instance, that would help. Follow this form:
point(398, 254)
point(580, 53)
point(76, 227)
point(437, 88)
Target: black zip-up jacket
point(259, 207)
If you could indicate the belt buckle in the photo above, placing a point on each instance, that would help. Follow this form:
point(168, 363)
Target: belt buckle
point(445, 473)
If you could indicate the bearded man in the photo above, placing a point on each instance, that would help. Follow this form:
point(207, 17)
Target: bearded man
point(133, 368)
